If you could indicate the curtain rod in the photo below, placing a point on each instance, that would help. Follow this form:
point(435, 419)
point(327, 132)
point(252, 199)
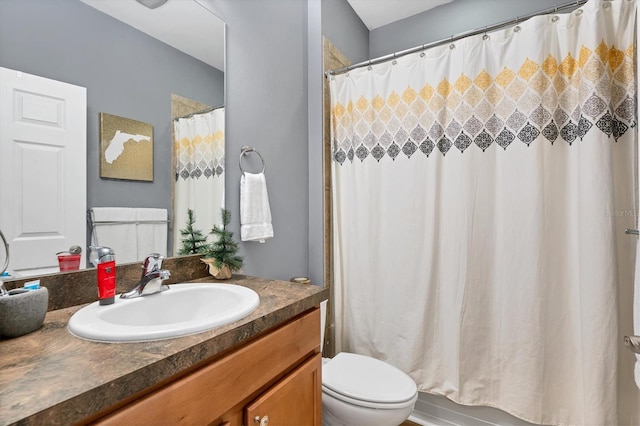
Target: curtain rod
point(202, 111)
point(516, 20)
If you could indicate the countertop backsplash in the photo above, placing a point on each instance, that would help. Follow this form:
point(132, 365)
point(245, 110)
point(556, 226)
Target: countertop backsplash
point(73, 288)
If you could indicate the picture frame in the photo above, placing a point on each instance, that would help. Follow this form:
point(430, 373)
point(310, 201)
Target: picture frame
point(126, 148)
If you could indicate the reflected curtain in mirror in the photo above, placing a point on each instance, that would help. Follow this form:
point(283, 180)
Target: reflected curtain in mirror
point(199, 147)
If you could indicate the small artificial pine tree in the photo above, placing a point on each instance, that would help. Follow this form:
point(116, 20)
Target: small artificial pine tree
point(224, 249)
point(193, 241)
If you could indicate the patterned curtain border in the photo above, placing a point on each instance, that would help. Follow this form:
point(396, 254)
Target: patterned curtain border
point(196, 158)
point(565, 99)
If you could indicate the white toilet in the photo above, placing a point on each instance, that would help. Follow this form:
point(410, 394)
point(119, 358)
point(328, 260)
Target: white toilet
point(360, 390)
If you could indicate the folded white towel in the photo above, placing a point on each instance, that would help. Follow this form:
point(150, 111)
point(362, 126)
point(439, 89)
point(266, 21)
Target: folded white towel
point(118, 234)
point(255, 214)
point(151, 231)
point(132, 233)
point(636, 310)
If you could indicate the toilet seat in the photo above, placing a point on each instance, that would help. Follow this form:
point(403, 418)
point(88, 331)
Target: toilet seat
point(367, 382)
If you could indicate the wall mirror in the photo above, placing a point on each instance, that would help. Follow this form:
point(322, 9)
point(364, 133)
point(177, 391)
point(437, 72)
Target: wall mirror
point(147, 64)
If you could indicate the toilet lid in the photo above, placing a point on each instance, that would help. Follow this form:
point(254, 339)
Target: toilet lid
point(367, 379)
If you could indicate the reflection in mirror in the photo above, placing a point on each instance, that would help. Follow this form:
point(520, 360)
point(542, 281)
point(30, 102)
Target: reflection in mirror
point(4, 255)
point(199, 184)
point(126, 72)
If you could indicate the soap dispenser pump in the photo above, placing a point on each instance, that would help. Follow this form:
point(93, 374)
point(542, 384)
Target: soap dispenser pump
point(105, 261)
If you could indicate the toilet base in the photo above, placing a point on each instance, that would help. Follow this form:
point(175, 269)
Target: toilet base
point(340, 413)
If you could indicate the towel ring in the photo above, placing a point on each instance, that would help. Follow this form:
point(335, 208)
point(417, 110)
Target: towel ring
point(245, 150)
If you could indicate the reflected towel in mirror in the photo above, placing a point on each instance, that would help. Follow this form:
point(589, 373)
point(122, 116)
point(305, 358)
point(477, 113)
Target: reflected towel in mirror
point(132, 233)
point(117, 233)
point(151, 231)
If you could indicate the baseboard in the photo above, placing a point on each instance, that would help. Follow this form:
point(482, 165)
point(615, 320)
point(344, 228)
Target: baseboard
point(424, 420)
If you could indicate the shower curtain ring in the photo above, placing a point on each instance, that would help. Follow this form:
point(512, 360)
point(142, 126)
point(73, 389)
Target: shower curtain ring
point(516, 28)
point(485, 36)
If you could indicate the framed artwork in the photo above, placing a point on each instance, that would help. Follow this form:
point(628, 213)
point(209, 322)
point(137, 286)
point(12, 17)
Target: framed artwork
point(126, 148)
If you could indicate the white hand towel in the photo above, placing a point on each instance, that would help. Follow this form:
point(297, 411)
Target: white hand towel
point(151, 231)
point(255, 214)
point(636, 310)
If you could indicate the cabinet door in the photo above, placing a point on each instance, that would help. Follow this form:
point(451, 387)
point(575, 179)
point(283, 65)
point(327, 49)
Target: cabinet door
point(296, 400)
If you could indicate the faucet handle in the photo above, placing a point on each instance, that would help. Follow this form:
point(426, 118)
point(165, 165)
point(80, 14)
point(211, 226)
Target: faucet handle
point(152, 263)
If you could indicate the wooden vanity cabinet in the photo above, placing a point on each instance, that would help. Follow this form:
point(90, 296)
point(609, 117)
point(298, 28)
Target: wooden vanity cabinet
point(274, 379)
point(295, 400)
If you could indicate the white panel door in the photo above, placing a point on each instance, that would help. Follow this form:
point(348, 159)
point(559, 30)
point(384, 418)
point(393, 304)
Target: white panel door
point(43, 133)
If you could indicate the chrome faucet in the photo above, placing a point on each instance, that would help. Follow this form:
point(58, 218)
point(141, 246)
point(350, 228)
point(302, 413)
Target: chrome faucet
point(152, 278)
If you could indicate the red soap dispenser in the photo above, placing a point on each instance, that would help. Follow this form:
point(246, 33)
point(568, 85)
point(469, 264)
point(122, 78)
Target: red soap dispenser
point(106, 267)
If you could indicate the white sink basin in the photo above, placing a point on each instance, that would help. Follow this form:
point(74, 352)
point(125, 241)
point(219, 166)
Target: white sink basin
point(183, 309)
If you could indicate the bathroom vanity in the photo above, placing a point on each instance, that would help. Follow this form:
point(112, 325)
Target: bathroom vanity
point(265, 366)
point(276, 377)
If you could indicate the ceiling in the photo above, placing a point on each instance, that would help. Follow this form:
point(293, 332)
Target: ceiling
point(377, 13)
point(181, 24)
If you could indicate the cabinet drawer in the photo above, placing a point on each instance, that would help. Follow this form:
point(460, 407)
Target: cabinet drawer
point(214, 389)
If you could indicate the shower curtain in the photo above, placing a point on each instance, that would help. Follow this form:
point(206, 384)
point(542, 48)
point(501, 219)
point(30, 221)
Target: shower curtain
point(480, 194)
point(199, 147)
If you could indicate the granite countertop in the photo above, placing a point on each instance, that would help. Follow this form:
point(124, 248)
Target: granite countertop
point(52, 377)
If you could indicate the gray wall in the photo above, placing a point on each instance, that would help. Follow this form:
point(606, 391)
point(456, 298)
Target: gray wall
point(447, 20)
point(345, 30)
point(69, 41)
point(274, 102)
point(267, 105)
